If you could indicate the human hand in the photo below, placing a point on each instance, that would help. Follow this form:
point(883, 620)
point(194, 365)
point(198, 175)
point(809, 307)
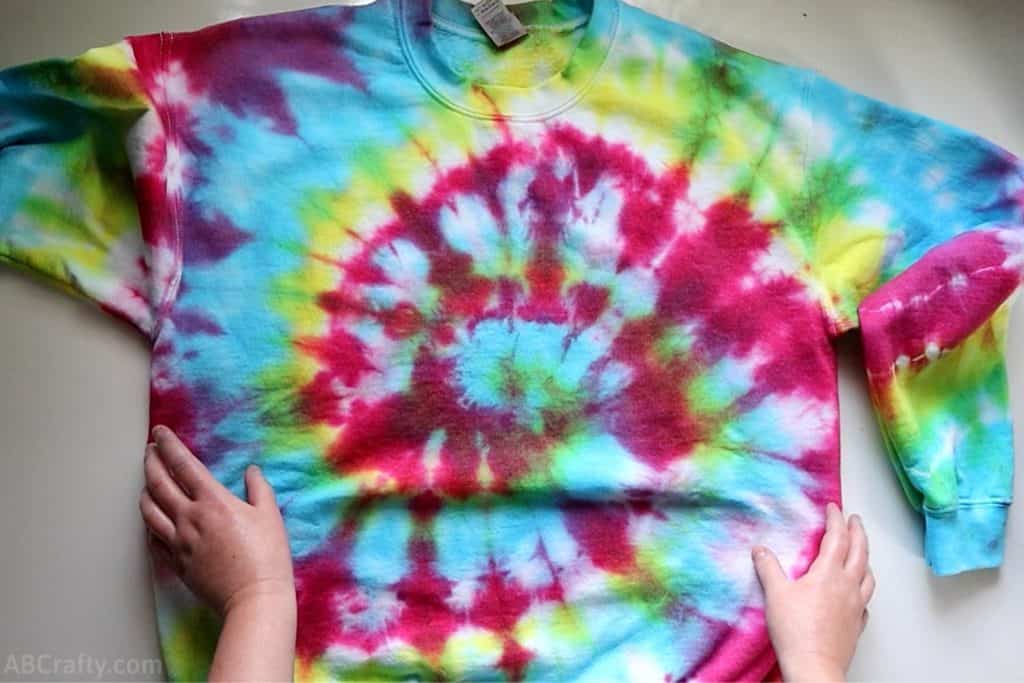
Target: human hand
point(226, 550)
point(815, 621)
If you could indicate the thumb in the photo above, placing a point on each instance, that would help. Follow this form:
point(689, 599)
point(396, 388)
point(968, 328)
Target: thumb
point(769, 571)
point(257, 488)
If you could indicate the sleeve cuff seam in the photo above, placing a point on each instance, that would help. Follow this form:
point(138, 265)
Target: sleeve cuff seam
point(966, 504)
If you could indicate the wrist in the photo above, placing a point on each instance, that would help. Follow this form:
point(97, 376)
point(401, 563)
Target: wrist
point(812, 670)
point(276, 596)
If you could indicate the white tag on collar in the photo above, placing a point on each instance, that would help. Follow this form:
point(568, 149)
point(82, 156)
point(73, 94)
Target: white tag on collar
point(498, 22)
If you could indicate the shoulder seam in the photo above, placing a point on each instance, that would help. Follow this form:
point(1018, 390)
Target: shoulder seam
point(171, 294)
point(830, 319)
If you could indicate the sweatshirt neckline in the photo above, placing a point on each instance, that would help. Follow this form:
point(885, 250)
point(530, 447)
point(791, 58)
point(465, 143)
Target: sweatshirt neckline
point(538, 101)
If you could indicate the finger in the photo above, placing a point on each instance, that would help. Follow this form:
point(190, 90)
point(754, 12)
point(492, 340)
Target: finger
point(161, 485)
point(769, 571)
point(867, 586)
point(257, 489)
point(163, 558)
point(857, 559)
point(181, 463)
point(835, 542)
point(156, 519)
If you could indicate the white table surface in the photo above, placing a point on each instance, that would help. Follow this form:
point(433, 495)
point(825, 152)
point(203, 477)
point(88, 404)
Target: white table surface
point(73, 382)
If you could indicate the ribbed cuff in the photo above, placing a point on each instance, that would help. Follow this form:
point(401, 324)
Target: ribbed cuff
point(969, 537)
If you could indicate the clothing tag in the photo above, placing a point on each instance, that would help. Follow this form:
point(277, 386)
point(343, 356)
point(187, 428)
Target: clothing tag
point(498, 22)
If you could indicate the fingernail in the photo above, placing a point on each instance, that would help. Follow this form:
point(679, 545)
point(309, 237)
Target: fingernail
point(156, 430)
point(759, 551)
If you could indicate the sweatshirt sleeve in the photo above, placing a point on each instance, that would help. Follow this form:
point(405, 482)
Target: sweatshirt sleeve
point(918, 239)
point(83, 203)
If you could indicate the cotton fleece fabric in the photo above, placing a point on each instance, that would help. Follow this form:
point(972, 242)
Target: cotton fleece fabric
point(534, 344)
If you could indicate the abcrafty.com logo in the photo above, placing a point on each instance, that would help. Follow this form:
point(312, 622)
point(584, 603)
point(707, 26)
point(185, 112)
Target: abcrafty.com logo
point(80, 667)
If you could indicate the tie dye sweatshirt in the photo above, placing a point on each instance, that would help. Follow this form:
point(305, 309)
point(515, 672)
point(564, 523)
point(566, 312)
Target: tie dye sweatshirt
point(534, 343)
